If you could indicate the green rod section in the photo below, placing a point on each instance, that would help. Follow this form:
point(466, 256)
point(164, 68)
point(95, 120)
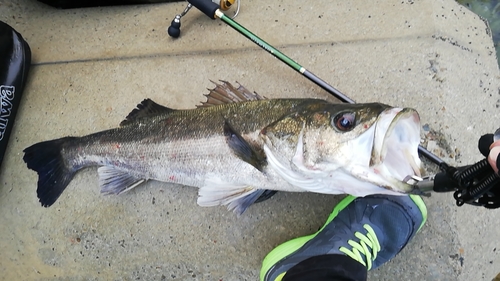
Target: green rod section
point(273, 51)
point(260, 42)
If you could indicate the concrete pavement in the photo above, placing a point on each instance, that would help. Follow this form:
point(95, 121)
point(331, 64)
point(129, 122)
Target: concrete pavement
point(92, 66)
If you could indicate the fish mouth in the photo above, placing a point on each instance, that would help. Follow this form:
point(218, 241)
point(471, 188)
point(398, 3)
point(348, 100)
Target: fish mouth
point(395, 147)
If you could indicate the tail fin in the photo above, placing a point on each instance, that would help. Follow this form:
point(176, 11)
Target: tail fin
point(53, 176)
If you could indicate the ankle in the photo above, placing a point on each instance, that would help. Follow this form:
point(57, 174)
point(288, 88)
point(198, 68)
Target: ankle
point(327, 267)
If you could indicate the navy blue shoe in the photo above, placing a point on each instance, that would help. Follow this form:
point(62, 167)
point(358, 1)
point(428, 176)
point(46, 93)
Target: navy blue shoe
point(370, 230)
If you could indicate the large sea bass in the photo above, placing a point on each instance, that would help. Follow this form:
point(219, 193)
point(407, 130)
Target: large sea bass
point(237, 145)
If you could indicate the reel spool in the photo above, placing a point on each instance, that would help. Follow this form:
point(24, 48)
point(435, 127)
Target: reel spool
point(174, 30)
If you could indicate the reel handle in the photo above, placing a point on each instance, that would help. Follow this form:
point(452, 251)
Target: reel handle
point(174, 30)
point(205, 6)
point(208, 7)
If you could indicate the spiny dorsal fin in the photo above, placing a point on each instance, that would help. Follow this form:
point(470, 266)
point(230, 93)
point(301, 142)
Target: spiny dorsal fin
point(146, 108)
point(225, 92)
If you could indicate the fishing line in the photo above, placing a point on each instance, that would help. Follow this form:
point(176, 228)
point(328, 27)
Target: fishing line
point(213, 10)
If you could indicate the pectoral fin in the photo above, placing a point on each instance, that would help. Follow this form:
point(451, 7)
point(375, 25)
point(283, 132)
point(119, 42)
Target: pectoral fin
point(242, 149)
point(114, 181)
point(237, 198)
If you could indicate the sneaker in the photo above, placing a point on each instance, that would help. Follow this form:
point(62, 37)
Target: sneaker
point(371, 230)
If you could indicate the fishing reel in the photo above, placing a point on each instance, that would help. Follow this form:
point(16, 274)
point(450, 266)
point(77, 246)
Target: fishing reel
point(174, 29)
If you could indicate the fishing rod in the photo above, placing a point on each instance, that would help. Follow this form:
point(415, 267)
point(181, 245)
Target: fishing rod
point(213, 11)
point(475, 184)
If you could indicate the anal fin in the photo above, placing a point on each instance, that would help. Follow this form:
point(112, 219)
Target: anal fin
point(114, 181)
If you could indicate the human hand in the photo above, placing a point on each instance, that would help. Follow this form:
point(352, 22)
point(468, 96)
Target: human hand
point(494, 156)
point(489, 145)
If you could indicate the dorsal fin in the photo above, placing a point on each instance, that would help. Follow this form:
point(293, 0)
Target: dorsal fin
point(225, 92)
point(146, 108)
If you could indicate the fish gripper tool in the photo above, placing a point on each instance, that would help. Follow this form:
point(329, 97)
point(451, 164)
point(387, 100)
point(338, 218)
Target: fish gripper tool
point(475, 184)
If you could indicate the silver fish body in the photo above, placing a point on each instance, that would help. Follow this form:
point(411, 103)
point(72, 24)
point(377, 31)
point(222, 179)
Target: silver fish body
point(235, 151)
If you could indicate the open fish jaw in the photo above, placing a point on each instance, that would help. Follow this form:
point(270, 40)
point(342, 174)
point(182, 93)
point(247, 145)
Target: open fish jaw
point(395, 151)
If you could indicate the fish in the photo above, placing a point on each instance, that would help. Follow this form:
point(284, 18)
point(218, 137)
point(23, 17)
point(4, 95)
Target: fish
point(238, 145)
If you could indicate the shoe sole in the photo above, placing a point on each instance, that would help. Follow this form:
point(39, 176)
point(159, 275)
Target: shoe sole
point(288, 248)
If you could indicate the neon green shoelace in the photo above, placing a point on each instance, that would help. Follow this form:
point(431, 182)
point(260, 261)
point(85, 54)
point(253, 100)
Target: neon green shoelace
point(367, 246)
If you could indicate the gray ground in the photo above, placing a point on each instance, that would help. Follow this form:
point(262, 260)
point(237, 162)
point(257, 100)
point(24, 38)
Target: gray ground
point(92, 66)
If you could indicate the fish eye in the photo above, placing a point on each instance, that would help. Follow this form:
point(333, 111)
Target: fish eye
point(344, 121)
